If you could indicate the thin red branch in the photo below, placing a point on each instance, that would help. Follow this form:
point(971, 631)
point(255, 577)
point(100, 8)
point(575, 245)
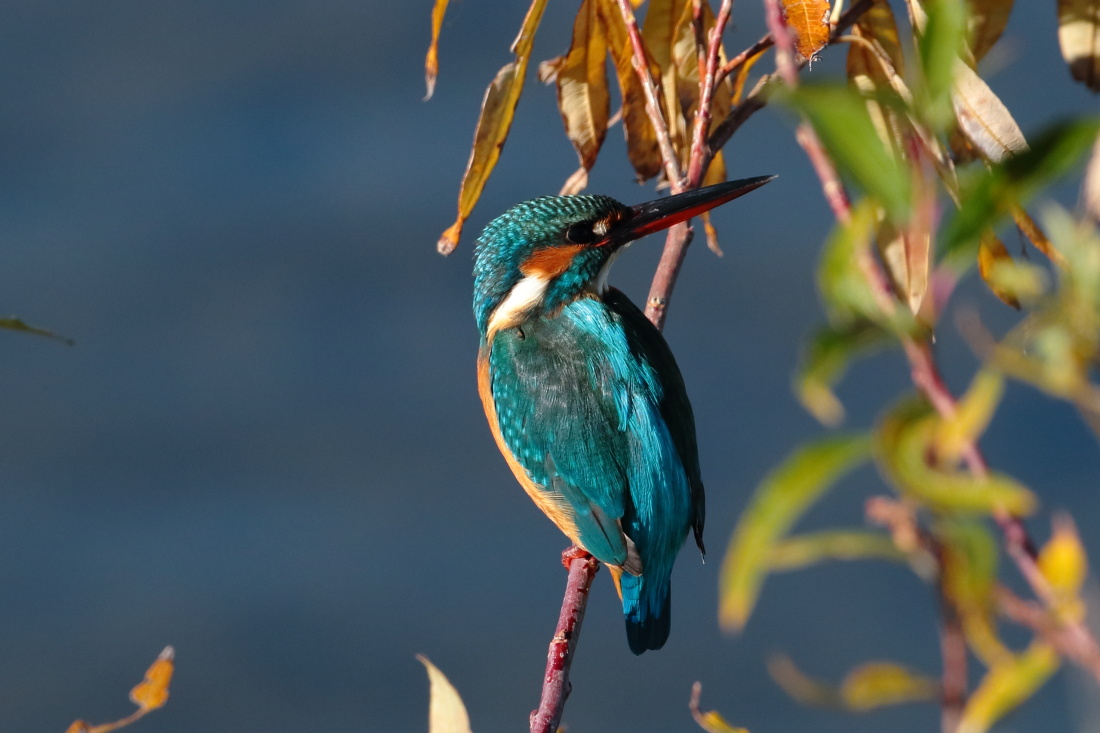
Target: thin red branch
point(1066, 639)
point(555, 683)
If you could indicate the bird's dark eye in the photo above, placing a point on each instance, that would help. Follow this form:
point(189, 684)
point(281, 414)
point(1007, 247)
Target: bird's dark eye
point(580, 233)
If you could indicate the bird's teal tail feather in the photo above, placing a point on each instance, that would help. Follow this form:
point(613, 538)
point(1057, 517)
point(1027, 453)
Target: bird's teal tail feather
point(647, 608)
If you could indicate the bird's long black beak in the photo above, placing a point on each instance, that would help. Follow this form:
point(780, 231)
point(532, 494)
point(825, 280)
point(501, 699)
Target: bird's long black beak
point(654, 216)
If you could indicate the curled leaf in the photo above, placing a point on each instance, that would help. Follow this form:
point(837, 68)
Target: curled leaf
point(1007, 685)
point(583, 98)
point(780, 499)
point(973, 412)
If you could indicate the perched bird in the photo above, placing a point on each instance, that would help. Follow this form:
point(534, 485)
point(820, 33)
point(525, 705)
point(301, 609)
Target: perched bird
point(582, 393)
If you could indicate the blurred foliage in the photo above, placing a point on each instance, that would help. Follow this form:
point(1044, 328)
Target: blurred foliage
point(149, 694)
point(938, 172)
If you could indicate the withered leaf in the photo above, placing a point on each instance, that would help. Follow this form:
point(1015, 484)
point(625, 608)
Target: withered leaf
point(497, 111)
point(661, 32)
point(1079, 37)
point(583, 98)
point(987, 22)
point(873, 71)
point(991, 252)
point(431, 61)
point(983, 118)
point(809, 19)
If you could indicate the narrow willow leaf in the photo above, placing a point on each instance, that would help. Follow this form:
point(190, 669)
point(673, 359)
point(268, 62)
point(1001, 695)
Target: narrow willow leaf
point(983, 118)
point(583, 98)
point(972, 415)
point(809, 19)
point(17, 324)
point(800, 686)
point(685, 57)
point(1006, 686)
point(447, 713)
point(840, 118)
point(991, 195)
point(716, 173)
point(660, 33)
point(942, 37)
point(904, 439)
point(431, 61)
point(1079, 37)
point(992, 253)
point(968, 566)
point(987, 22)
point(497, 111)
point(880, 684)
point(800, 551)
point(875, 71)
point(782, 497)
point(824, 360)
point(641, 138)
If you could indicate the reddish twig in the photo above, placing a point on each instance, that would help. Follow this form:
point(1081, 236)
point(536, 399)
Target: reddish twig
point(1067, 639)
point(555, 684)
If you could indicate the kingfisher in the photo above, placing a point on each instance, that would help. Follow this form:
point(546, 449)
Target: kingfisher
point(582, 393)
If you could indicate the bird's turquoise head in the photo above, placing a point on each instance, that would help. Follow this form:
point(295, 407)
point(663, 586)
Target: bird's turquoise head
point(542, 254)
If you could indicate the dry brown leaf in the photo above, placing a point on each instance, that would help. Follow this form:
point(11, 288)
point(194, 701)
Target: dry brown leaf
point(641, 138)
point(661, 32)
point(992, 251)
point(497, 110)
point(716, 173)
point(1079, 37)
point(874, 67)
point(686, 58)
point(152, 692)
point(1034, 232)
point(987, 22)
point(809, 19)
point(983, 118)
point(583, 98)
point(431, 61)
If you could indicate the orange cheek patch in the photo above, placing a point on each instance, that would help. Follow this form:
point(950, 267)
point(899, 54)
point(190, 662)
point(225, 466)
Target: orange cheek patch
point(550, 262)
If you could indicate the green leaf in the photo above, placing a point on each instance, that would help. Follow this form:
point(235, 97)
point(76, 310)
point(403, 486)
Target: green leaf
point(988, 196)
point(1007, 685)
point(968, 563)
point(780, 499)
point(17, 324)
point(825, 359)
point(802, 550)
point(941, 39)
point(879, 684)
point(840, 118)
point(903, 445)
point(447, 713)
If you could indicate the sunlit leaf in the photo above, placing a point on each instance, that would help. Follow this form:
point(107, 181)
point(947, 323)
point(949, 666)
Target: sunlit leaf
point(869, 686)
point(583, 97)
point(716, 173)
point(152, 692)
point(661, 32)
point(497, 111)
point(987, 22)
point(839, 117)
point(1064, 564)
point(1006, 686)
point(447, 713)
point(431, 62)
point(989, 196)
point(983, 118)
point(952, 436)
point(780, 499)
point(1079, 37)
point(17, 324)
point(641, 139)
point(874, 70)
point(824, 360)
point(903, 445)
point(880, 684)
point(800, 551)
point(809, 19)
point(685, 56)
point(991, 253)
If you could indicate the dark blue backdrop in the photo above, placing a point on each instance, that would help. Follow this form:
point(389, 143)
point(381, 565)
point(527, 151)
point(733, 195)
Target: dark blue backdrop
point(266, 447)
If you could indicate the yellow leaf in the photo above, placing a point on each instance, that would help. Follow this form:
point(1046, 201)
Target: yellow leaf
point(991, 253)
point(1079, 37)
point(710, 721)
point(800, 551)
point(809, 19)
point(78, 726)
point(641, 138)
point(875, 70)
point(878, 684)
point(1007, 685)
point(800, 686)
point(446, 714)
point(972, 415)
point(152, 692)
point(716, 173)
point(431, 62)
point(583, 98)
point(983, 118)
point(968, 563)
point(497, 110)
point(987, 22)
point(1064, 564)
point(662, 30)
point(780, 499)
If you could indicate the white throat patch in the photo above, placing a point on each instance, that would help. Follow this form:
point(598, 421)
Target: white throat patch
point(524, 296)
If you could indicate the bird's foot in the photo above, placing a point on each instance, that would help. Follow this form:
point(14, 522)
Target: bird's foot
point(572, 553)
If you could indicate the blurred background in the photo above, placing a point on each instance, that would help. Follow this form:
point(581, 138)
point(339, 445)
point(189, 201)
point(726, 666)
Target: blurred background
point(266, 446)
